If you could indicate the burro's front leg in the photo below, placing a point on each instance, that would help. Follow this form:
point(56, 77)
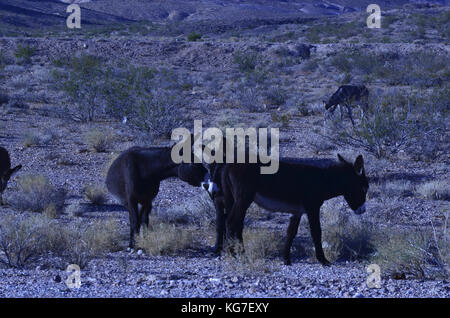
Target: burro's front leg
point(235, 222)
point(316, 234)
point(291, 233)
point(220, 226)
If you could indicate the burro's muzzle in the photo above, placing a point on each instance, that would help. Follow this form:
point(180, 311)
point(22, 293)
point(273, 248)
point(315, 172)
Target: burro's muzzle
point(361, 209)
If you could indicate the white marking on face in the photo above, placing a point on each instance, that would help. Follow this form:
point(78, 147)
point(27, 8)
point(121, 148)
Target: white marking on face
point(211, 186)
point(361, 209)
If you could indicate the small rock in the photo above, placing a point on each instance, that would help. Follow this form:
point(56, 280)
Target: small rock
point(57, 279)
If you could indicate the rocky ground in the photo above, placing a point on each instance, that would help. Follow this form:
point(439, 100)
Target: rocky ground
point(62, 154)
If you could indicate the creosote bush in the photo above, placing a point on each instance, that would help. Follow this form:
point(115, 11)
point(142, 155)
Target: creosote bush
point(393, 122)
point(246, 61)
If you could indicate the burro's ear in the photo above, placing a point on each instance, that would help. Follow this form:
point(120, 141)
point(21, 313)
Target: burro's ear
point(14, 170)
point(341, 159)
point(359, 165)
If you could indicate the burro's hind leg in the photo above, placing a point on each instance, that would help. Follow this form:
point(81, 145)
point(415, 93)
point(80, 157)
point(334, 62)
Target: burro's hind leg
point(144, 214)
point(134, 220)
point(291, 233)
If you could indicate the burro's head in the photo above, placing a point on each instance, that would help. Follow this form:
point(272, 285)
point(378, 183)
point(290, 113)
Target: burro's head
point(356, 184)
point(212, 179)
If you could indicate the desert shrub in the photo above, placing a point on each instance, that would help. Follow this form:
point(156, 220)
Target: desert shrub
point(435, 190)
point(165, 238)
point(283, 119)
point(24, 53)
point(260, 246)
point(421, 68)
point(393, 122)
point(275, 95)
point(22, 240)
point(159, 113)
point(418, 253)
point(149, 98)
point(87, 241)
point(36, 138)
point(249, 98)
point(26, 238)
point(192, 37)
point(246, 61)
point(83, 84)
point(95, 195)
point(345, 238)
point(99, 140)
point(36, 193)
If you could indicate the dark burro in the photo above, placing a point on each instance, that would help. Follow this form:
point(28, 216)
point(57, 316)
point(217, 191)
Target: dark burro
point(134, 179)
point(5, 171)
point(300, 186)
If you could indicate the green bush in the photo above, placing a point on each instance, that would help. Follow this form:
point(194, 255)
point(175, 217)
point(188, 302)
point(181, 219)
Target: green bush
point(247, 61)
point(24, 53)
point(192, 37)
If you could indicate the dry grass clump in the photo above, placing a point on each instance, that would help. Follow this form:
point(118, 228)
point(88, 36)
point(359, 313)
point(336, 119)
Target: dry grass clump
point(85, 242)
point(38, 194)
point(435, 190)
point(99, 140)
point(400, 252)
point(417, 253)
point(398, 188)
point(95, 195)
point(260, 245)
point(25, 238)
point(165, 238)
point(33, 138)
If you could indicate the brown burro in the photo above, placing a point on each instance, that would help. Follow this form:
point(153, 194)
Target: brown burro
point(134, 179)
